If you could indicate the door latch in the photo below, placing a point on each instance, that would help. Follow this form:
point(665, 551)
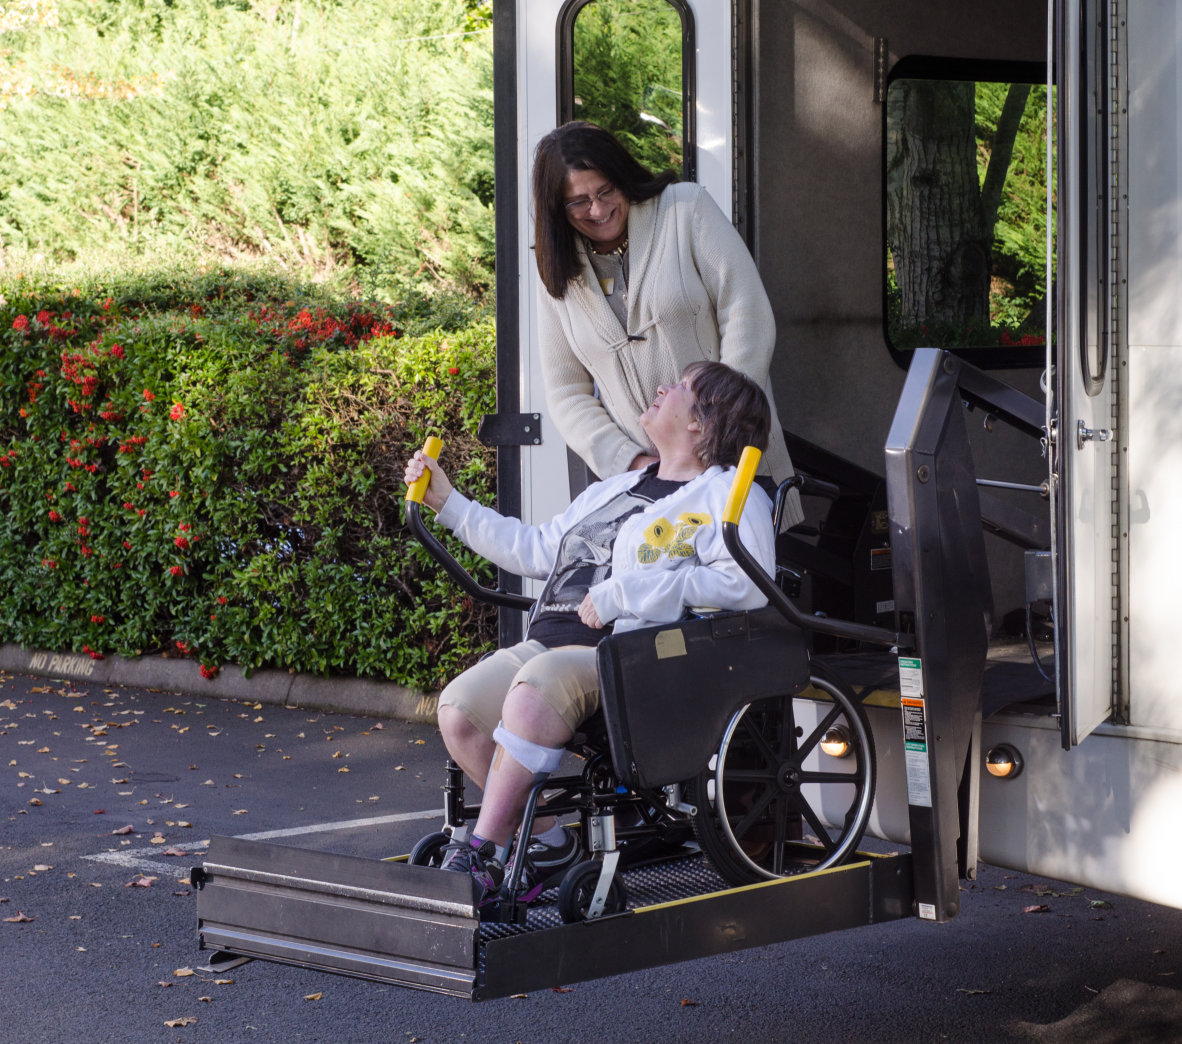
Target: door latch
point(1085, 434)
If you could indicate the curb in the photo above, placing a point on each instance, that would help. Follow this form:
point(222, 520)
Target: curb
point(358, 696)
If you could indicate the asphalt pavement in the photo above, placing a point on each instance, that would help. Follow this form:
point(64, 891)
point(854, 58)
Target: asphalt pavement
point(111, 792)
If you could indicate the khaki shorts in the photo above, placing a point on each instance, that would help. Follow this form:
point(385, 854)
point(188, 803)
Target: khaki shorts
point(566, 678)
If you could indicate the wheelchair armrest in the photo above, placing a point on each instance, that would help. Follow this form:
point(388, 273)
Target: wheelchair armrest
point(498, 596)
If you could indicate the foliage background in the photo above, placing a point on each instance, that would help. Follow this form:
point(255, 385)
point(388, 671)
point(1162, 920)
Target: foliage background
point(245, 250)
point(337, 137)
point(210, 465)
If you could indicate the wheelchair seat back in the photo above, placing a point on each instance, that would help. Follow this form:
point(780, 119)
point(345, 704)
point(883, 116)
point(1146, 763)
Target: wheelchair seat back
point(667, 692)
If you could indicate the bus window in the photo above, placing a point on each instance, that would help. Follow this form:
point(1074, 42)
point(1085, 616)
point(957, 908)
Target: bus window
point(965, 226)
point(628, 65)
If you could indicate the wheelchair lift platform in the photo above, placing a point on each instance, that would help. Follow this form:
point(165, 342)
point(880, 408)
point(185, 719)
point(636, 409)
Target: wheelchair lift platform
point(419, 927)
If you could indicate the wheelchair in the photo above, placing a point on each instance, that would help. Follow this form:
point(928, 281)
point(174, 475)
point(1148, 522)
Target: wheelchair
point(718, 732)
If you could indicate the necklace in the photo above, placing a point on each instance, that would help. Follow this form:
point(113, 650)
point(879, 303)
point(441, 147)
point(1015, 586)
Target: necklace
point(619, 251)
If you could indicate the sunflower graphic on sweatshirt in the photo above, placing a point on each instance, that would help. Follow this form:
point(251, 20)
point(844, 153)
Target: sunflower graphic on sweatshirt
point(674, 539)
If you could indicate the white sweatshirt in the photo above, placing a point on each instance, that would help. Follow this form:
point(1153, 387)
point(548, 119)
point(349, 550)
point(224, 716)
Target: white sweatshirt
point(666, 558)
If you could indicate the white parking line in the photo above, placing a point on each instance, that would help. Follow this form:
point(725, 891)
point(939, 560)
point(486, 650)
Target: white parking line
point(141, 859)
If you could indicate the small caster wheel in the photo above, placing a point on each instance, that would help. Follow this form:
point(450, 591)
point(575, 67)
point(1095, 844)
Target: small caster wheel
point(428, 851)
point(578, 889)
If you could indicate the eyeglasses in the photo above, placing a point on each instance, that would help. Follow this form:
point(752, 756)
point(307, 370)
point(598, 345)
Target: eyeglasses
point(579, 207)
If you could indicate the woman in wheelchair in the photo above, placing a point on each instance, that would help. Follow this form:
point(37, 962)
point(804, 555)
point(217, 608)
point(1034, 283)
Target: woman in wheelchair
point(633, 550)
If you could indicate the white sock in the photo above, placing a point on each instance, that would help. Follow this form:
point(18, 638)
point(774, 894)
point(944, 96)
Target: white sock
point(553, 837)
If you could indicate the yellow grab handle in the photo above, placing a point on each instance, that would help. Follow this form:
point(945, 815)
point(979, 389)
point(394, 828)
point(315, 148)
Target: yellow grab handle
point(744, 476)
point(418, 489)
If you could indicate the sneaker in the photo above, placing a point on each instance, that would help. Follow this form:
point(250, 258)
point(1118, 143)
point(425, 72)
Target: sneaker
point(545, 865)
point(554, 858)
point(460, 857)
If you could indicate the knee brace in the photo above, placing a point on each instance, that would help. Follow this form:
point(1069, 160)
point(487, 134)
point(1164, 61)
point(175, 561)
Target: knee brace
point(538, 759)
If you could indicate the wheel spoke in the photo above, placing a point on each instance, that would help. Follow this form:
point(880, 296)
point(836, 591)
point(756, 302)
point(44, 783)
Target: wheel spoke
point(761, 744)
point(828, 777)
point(809, 744)
point(751, 776)
point(782, 815)
point(740, 828)
point(819, 828)
point(787, 744)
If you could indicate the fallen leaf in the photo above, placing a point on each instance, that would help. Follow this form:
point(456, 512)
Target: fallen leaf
point(973, 993)
point(157, 839)
point(238, 812)
point(42, 867)
point(1037, 908)
point(208, 1000)
point(20, 918)
point(184, 1020)
point(172, 850)
point(183, 973)
point(687, 1003)
point(1100, 904)
point(140, 882)
point(313, 996)
point(223, 982)
point(129, 829)
point(164, 984)
point(561, 989)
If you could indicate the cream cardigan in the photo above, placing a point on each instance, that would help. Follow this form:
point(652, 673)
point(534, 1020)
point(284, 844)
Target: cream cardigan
point(693, 293)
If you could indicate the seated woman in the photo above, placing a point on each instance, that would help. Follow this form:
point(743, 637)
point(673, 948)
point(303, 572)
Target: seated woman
point(633, 550)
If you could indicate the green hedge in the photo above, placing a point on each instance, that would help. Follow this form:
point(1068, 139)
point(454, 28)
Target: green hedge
point(211, 466)
point(326, 135)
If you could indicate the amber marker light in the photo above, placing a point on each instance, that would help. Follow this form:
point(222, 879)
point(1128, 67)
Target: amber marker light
point(836, 742)
point(1004, 761)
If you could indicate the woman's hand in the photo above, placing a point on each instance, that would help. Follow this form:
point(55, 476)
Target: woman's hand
point(440, 487)
point(588, 614)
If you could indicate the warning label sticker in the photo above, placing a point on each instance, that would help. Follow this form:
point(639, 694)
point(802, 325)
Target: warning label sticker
point(915, 734)
point(910, 676)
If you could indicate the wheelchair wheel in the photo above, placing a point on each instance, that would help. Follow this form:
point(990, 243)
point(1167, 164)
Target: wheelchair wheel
point(428, 851)
point(772, 803)
point(578, 889)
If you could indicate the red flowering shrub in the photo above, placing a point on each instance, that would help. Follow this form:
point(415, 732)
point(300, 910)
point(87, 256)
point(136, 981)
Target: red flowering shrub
point(257, 519)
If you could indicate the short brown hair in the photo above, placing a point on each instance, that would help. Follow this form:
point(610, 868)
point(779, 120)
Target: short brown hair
point(732, 410)
point(579, 146)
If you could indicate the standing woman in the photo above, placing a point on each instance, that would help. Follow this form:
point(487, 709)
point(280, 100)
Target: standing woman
point(640, 276)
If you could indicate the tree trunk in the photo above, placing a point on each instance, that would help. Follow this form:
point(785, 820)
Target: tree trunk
point(940, 250)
